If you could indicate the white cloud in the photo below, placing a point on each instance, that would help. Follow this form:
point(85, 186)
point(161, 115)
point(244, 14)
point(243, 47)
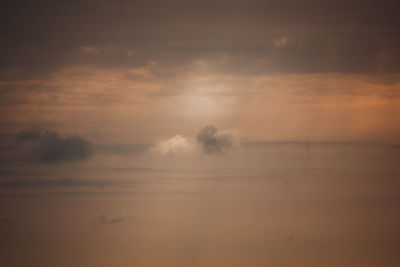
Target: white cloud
point(174, 145)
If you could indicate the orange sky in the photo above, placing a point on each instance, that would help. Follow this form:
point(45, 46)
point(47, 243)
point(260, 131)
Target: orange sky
point(275, 70)
point(138, 105)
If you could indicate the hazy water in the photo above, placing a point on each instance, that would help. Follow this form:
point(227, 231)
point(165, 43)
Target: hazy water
point(262, 205)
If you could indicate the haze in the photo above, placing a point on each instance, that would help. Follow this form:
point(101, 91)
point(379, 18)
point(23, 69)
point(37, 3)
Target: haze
point(199, 133)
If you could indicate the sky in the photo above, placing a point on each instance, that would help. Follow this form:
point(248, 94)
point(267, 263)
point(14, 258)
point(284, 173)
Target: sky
point(199, 133)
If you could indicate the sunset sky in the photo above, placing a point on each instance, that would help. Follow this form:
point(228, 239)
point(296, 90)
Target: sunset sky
point(200, 133)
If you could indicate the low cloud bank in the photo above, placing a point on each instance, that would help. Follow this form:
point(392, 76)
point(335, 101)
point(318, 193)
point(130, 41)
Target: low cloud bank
point(47, 146)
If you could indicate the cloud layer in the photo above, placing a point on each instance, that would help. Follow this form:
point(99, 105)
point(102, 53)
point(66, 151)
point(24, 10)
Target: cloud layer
point(248, 30)
point(47, 146)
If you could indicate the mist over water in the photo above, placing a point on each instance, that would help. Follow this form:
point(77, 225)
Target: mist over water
point(264, 204)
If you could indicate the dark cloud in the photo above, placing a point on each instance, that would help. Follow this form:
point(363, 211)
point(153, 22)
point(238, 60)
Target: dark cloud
point(335, 36)
point(102, 219)
point(47, 146)
point(28, 135)
point(215, 142)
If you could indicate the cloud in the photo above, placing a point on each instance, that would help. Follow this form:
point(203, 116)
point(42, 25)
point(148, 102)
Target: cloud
point(174, 145)
point(47, 146)
point(209, 141)
point(250, 28)
point(102, 219)
point(28, 135)
point(216, 142)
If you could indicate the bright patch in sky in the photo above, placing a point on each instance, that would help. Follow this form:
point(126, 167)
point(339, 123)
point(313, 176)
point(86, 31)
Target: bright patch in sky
point(176, 144)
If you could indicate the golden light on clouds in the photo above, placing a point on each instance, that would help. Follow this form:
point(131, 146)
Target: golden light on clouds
point(280, 106)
